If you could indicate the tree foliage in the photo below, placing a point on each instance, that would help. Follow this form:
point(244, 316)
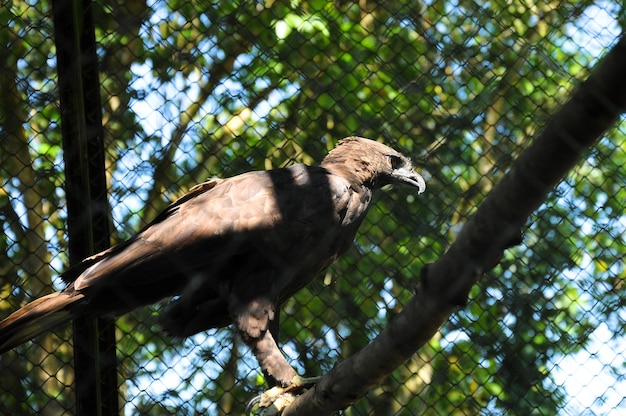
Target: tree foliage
point(193, 89)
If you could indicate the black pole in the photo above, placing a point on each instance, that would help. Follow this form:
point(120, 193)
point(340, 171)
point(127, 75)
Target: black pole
point(86, 192)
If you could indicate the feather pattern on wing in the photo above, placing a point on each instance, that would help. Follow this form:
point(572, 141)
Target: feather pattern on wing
point(230, 249)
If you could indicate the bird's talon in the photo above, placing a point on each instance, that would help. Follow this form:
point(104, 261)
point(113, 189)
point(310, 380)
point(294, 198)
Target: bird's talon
point(271, 404)
point(301, 382)
point(273, 401)
point(255, 401)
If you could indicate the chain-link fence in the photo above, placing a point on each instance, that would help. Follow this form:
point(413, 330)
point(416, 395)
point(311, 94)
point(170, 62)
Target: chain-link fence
point(194, 89)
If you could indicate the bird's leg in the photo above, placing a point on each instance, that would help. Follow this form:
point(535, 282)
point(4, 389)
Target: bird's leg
point(272, 361)
point(278, 373)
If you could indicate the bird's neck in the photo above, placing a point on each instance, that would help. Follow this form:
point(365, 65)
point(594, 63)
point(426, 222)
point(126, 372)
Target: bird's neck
point(357, 172)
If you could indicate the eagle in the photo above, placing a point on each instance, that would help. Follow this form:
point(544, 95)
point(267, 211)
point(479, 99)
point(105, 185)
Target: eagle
point(229, 251)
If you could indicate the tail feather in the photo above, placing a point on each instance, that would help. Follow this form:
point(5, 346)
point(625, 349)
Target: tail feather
point(36, 318)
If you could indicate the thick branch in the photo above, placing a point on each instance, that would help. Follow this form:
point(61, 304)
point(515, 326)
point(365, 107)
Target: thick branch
point(592, 110)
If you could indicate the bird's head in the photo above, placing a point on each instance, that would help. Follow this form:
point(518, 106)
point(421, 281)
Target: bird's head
point(372, 163)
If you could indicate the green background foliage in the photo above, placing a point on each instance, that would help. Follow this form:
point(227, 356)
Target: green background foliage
point(192, 89)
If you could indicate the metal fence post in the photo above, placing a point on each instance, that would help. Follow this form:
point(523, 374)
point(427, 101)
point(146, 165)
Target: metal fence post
point(88, 210)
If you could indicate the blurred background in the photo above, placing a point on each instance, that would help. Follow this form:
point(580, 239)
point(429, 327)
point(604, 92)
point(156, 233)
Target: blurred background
point(194, 89)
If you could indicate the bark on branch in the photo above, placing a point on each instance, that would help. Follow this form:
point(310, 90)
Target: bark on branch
point(497, 224)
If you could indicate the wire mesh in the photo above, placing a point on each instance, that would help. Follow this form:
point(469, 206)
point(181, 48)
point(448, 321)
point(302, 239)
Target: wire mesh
point(194, 89)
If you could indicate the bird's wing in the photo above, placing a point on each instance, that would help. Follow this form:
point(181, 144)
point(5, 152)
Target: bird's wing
point(207, 212)
point(302, 231)
point(74, 272)
point(224, 233)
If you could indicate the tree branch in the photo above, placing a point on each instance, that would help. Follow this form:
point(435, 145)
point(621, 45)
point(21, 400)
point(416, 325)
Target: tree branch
point(592, 110)
point(164, 165)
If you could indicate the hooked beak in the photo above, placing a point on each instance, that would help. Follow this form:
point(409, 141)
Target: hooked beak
point(407, 175)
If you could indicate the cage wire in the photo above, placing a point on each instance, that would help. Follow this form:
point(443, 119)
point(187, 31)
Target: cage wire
point(195, 89)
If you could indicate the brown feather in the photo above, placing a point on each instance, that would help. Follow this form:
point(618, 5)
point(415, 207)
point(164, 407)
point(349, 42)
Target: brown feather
point(229, 250)
point(36, 318)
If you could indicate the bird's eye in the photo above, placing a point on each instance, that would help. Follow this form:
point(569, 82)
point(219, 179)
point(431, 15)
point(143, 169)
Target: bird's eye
point(395, 162)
